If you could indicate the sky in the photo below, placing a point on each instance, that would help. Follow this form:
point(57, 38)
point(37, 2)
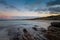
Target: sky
point(40, 8)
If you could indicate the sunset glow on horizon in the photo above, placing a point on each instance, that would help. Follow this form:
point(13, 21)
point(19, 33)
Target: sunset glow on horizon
point(43, 14)
point(36, 8)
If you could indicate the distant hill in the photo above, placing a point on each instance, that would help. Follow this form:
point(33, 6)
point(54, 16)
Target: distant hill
point(57, 17)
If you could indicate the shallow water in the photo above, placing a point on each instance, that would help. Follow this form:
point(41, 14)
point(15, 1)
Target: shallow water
point(22, 23)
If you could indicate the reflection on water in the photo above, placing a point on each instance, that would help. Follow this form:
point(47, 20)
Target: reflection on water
point(23, 23)
point(10, 27)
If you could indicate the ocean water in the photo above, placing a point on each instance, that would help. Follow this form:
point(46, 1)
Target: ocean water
point(24, 23)
point(28, 24)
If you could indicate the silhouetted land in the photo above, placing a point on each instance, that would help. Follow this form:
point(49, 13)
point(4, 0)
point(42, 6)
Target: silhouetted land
point(57, 17)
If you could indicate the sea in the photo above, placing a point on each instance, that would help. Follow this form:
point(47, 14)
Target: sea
point(28, 24)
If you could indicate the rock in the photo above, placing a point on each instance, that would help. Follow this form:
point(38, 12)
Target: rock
point(34, 28)
point(43, 30)
point(55, 24)
point(53, 32)
point(34, 33)
point(27, 35)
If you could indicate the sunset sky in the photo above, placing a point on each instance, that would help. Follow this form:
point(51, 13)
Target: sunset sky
point(38, 8)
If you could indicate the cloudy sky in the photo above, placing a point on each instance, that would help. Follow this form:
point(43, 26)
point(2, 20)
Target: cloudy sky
point(29, 7)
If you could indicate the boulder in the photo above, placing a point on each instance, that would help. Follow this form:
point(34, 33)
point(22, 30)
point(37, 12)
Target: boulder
point(55, 24)
point(53, 32)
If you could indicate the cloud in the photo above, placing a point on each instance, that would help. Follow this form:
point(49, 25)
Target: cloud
point(8, 5)
point(32, 4)
point(55, 2)
point(54, 8)
point(57, 9)
point(3, 2)
point(29, 4)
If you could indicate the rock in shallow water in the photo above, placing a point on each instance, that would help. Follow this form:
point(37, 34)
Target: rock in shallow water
point(26, 34)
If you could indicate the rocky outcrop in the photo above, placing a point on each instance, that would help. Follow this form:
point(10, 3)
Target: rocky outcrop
point(53, 32)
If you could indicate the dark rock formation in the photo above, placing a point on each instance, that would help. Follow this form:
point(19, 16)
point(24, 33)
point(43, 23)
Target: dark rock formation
point(53, 32)
point(55, 24)
point(27, 35)
point(34, 28)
